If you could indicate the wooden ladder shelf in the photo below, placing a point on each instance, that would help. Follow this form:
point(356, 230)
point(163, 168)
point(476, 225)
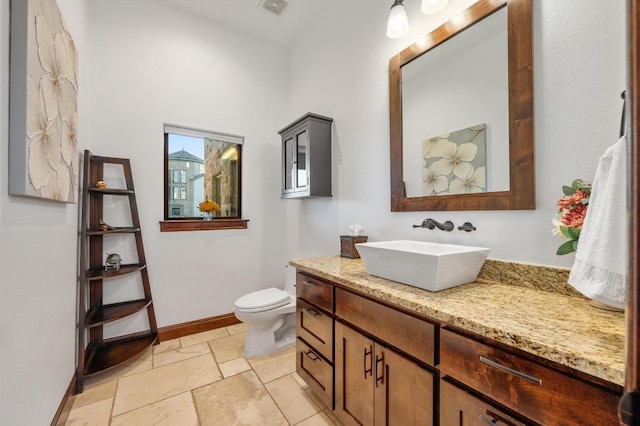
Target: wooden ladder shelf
point(95, 353)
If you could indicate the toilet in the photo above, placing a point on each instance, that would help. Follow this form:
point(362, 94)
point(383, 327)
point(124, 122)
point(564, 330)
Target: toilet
point(270, 318)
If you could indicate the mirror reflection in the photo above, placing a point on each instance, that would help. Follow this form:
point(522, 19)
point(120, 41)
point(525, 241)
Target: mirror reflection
point(461, 113)
point(455, 104)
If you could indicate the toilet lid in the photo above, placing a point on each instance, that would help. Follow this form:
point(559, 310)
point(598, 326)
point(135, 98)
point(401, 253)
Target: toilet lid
point(263, 300)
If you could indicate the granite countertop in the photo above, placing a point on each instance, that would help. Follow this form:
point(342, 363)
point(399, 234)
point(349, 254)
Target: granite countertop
point(557, 327)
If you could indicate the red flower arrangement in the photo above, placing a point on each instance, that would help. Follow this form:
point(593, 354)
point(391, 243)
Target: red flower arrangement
point(572, 209)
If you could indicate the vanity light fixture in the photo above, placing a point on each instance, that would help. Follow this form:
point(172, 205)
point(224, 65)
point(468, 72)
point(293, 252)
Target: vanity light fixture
point(398, 23)
point(430, 7)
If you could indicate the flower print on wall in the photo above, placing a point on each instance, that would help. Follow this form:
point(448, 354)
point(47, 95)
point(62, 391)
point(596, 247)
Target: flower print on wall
point(455, 163)
point(43, 107)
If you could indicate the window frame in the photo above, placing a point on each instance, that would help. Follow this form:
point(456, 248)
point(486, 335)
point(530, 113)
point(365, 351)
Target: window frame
point(170, 224)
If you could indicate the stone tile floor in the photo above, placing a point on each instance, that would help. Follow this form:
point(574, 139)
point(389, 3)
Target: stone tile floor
point(202, 379)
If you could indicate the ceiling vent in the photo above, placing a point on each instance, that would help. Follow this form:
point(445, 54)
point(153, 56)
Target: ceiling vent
point(274, 6)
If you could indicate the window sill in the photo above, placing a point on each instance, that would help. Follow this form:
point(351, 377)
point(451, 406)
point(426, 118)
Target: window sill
point(202, 225)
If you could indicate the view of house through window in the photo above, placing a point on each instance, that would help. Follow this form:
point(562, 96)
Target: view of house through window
point(201, 166)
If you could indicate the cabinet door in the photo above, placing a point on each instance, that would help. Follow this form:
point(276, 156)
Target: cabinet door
point(403, 390)
point(354, 391)
point(302, 152)
point(458, 408)
point(288, 163)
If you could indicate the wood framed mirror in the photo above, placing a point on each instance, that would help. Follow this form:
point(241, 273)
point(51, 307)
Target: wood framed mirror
point(519, 191)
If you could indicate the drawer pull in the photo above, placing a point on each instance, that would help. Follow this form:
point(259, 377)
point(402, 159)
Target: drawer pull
point(511, 371)
point(313, 357)
point(368, 353)
point(485, 420)
point(311, 312)
point(380, 378)
point(308, 283)
point(496, 420)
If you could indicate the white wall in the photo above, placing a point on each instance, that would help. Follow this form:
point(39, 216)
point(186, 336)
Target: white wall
point(340, 69)
point(38, 244)
point(154, 64)
point(144, 63)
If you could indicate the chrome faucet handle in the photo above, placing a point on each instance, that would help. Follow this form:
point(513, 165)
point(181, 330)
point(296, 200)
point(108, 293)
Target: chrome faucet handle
point(467, 227)
point(427, 223)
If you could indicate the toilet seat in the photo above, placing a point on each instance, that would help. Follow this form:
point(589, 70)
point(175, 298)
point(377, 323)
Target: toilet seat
point(263, 300)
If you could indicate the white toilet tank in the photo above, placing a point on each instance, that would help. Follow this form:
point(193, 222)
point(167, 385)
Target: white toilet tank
point(290, 287)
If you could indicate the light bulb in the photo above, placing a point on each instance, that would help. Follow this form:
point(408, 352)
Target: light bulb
point(398, 24)
point(430, 7)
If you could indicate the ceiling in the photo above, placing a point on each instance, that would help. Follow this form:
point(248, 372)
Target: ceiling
point(249, 17)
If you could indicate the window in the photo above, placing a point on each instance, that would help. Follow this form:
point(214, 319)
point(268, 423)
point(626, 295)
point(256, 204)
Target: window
point(202, 165)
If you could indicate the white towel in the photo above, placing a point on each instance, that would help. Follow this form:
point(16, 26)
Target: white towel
point(599, 271)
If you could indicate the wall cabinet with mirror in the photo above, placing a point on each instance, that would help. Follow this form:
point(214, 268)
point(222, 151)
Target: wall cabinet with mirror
point(306, 157)
point(461, 113)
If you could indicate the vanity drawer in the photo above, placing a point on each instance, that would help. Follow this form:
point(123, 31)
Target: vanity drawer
point(459, 408)
point(315, 327)
point(315, 291)
point(544, 395)
point(315, 371)
point(402, 331)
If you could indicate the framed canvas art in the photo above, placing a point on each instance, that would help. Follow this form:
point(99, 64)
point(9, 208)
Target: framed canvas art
point(455, 162)
point(43, 112)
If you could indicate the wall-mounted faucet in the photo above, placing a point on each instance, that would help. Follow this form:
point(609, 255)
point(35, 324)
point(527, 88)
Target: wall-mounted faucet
point(432, 224)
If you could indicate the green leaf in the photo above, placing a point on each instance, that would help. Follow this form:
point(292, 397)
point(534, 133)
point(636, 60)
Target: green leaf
point(567, 190)
point(584, 186)
point(571, 233)
point(567, 248)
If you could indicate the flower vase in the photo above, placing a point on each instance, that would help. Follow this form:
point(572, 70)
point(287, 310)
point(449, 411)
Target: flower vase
point(207, 216)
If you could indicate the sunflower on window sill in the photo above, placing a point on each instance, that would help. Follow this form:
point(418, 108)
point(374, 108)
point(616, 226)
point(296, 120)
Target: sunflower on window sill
point(207, 207)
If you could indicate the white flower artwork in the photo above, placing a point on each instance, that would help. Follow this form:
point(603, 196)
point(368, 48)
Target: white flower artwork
point(43, 147)
point(455, 163)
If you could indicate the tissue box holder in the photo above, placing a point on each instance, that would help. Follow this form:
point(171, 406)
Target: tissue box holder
point(348, 245)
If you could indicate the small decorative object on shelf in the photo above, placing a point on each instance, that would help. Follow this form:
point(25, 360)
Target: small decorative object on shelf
point(113, 262)
point(105, 226)
point(208, 207)
point(572, 209)
point(101, 184)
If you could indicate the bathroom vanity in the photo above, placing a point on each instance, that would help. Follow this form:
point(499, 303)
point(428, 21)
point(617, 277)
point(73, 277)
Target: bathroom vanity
point(380, 352)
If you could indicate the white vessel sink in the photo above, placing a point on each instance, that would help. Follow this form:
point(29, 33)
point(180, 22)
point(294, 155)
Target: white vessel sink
point(431, 266)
